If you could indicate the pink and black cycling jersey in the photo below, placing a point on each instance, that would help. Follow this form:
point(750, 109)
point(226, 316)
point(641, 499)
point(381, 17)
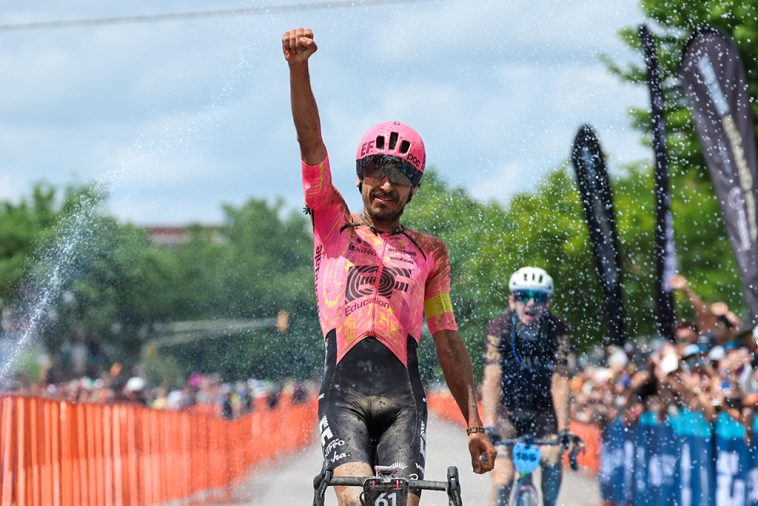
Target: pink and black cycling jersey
point(370, 283)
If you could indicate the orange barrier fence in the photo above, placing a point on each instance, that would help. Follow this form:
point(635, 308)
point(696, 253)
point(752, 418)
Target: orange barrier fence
point(443, 405)
point(55, 453)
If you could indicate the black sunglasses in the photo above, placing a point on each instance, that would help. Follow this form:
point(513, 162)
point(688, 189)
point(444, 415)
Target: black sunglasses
point(379, 172)
point(525, 295)
point(401, 171)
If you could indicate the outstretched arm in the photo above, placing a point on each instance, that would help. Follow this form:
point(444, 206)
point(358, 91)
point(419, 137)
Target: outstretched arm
point(560, 392)
point(491, 384)
point(298, 46)
point(705, 319)
point(456, 365)
point(559, 385)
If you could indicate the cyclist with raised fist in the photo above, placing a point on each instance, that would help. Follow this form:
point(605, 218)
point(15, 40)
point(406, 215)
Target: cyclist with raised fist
point(375, 281)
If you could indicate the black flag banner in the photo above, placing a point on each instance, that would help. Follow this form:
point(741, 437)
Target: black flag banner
point(716, 90)
point(597, 200)
point(665, 251)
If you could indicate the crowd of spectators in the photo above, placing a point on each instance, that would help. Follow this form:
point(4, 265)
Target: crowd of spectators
point(207, 392)
point(710, 367)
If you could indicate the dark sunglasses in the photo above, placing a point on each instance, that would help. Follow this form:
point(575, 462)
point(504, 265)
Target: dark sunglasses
point(525, 295)
point(378, 171)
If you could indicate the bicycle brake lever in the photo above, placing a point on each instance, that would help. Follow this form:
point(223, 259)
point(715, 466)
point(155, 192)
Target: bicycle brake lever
point(573, 462)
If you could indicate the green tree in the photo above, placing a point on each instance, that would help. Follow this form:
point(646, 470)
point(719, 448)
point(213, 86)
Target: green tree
point(488, 242)
point(707, 262)
point(257, 264)
point(21, 227)
point(89, 277)
point(116, 288)
point(546, 227)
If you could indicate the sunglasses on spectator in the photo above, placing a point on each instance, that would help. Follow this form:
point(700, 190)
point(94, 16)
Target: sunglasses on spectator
point(377, 172)
point(525, 295)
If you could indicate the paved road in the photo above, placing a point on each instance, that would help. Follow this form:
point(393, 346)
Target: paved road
point(288, 481)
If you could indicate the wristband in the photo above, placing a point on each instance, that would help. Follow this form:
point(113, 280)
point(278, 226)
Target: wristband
point(475, 430)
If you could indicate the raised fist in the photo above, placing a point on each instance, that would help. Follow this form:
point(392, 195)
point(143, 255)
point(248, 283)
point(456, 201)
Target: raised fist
point(678, 282)
point(298, 45)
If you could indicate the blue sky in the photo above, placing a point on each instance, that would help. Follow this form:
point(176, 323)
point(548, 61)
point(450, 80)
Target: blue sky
point(177, 118)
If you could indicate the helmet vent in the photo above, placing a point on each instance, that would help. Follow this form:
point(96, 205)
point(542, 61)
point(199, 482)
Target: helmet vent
point(380, 142)
point(405, 146)
point(531, 278)
point(393, 140)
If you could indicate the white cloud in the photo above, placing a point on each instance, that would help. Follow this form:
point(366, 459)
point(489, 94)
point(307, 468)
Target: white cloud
point(11, 186)
point(532, 30)
point(500, 183)
point(182, 116)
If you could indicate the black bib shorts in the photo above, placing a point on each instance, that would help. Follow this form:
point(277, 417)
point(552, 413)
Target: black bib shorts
point(372, 409)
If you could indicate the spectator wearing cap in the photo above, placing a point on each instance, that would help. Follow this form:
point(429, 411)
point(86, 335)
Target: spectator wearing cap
point(716, 355)
point(648, 387)
point(665, 361)
point(689, 385)
point(134, 390)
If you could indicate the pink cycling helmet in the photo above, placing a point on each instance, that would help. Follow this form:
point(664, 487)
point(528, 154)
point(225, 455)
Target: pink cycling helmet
point(395, 140)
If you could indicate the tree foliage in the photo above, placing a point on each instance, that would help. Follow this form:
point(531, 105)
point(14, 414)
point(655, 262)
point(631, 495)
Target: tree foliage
point(111, 287)
point(705, 255)
point(544, 228)
point(20, 228)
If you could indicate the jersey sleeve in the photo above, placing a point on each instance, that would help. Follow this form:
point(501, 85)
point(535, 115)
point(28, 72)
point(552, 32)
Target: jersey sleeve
point(495, 327)
point(326, 205)
point(437, 304)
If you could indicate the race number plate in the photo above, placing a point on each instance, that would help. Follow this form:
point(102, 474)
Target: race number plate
point(526, 458)
point(385, 492)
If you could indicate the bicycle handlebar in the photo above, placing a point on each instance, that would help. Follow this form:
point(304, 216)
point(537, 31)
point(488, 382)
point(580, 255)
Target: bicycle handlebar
point(498, 441)
point(578, 444)
point(357, 481)
point(325, 479)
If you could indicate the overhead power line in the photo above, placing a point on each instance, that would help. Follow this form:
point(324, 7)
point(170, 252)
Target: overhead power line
point(182, 16)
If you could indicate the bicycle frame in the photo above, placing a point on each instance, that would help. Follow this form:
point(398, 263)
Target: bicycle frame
point(525, 493)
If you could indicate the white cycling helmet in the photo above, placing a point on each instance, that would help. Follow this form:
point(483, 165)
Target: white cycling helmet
point(531, 278)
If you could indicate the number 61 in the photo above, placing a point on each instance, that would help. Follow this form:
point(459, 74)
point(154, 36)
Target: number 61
point(382, 499)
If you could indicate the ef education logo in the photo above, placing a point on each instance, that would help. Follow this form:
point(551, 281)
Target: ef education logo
point(362, 278)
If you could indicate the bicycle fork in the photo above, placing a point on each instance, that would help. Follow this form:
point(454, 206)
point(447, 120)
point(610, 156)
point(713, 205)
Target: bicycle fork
point(524, 492)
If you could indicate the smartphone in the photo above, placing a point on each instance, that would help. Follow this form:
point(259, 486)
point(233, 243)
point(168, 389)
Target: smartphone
point(733, 402)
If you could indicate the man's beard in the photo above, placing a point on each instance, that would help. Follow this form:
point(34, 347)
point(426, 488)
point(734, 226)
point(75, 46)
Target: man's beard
point(380, 217)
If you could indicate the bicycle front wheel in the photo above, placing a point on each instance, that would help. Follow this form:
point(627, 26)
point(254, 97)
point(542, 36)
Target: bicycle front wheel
point(526, 495)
